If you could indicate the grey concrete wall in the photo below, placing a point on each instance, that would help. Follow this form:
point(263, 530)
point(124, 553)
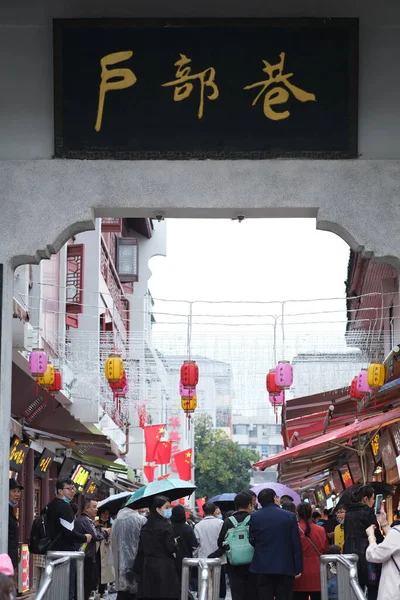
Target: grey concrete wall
point(26, 99)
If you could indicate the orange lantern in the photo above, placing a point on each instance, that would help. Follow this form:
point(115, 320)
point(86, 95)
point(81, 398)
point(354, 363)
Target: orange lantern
point(189, 374)
point(189, 405)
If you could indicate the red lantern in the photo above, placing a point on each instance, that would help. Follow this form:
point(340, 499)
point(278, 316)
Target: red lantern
point(272, 388)
point(119, 385)
point(57, 383)
point(189, 374)
point(354, 392)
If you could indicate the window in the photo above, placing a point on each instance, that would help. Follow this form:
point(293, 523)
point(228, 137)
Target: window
point(111, 224)
point(253, 432)
point(127, 259)
point(75, 278)
point(240, 429)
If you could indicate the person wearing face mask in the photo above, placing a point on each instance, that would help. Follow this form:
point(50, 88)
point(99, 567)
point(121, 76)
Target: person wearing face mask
point(218, 514)
point(155, 563)
point(61, 520)
point(13, 499)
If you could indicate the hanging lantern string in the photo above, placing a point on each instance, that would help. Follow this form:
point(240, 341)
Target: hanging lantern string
point(189, 330)
point(283, 329)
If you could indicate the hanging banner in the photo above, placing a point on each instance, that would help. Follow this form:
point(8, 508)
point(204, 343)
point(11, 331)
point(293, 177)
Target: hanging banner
point(162, 454)
point(43, 463)
point(18, 453)
point(206, 88)
point(23, 570)
point(152, 435)
point(183, 461)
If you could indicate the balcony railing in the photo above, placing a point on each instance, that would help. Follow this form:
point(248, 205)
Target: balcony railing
point(113, 282)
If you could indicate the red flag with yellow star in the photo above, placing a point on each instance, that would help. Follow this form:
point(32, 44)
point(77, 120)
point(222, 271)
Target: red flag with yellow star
point(162, 454)
point(183, 462)
point(152, 435)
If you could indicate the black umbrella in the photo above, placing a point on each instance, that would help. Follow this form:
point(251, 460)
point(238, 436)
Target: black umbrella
point(380, 487)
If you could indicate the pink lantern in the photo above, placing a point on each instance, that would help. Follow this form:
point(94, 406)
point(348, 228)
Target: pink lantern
point(362, 382)
point(277, 400)
point(284, 375)
point(186, 392)
point(38, 362)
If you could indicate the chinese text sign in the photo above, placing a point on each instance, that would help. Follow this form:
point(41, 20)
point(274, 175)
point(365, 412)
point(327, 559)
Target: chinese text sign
point(206, 89)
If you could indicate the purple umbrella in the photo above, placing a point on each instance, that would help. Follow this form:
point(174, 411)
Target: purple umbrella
point(280, 490)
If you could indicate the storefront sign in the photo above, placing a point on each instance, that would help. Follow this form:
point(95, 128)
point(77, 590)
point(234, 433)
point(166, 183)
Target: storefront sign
point(80, 477)
point(91, 488)
point(320, 496)
point(224, 89)
point(43, 464)
point(327, 490)
point(355, 468)
point(375, 447)
point(388, 452)
point(346, 476)
point(337, 482)
point(18, 453)
point(23, 570)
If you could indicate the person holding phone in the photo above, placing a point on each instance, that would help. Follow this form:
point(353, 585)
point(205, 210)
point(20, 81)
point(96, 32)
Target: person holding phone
point(386, 554)
point(360, 515)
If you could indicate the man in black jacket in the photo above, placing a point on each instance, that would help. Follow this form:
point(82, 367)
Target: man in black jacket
point(62, 521)
point(85, 524)
point(243, 583)
point(13, 500)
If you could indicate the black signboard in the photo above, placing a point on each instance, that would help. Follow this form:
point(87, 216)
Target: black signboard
point(196, 89)
point(67, 468)
point(43, 464)
point(91, 488)
point(18, 453)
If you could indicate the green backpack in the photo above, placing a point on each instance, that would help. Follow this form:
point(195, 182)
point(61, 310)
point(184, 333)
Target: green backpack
point(239, 550)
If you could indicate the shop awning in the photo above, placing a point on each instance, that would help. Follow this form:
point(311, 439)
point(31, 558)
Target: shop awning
point(339, 437)
point(100, 463)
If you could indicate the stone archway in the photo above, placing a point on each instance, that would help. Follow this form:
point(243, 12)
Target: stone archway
point(45, 202)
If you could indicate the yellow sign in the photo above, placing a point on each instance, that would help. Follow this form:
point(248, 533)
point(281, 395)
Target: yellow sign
point(375, 444)
point(80, 477)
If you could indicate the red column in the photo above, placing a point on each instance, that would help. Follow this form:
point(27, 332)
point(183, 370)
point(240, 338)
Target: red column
point(29, 493)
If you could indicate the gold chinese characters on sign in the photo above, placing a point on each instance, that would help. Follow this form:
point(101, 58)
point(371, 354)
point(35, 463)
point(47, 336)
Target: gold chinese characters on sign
point(279, 93)
point(184, 86)
point(375, 444)
point(276, 87)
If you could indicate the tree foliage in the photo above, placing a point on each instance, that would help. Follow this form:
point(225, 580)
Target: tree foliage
point(221, 465)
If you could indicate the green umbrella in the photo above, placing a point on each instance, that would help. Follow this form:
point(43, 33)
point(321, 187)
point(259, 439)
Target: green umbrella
point(173, 489)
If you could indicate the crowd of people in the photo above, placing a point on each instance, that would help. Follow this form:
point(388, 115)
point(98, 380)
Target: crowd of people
point(269, 548)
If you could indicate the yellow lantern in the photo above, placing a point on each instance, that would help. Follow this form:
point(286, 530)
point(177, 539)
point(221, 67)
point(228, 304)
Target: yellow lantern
point(114, 368)
point(47, 379)
point(376, 375)
point(189, 405)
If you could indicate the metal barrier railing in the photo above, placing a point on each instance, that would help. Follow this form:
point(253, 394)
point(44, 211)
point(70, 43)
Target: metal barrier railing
point(54, 584)
point(348, 587)
point(209, 577)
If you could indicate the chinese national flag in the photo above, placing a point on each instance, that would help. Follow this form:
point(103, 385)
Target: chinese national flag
point(149, 472)
point(183, 461)
point(152, 435)
point(162, 454)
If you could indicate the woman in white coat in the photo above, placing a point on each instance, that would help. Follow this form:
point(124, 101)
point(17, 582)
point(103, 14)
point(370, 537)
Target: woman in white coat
point(388, 554)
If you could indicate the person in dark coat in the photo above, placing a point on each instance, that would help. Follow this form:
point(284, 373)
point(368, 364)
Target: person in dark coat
point(184, 536)
point(243, 583)
point(13, 499)
point(278, 557)
point(155, 562)
point(359, 516)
